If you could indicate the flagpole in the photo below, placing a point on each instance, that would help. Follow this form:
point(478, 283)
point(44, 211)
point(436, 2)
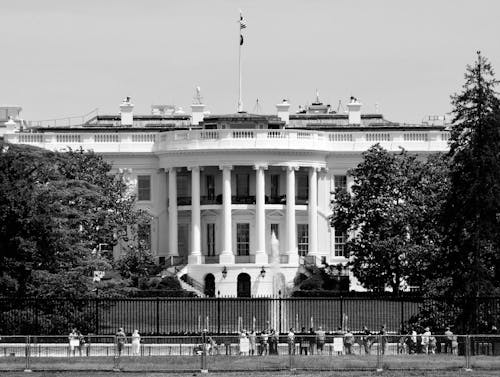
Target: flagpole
point(240, 101)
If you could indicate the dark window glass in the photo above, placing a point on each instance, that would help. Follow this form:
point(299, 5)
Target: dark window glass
point(143, 187)
point(302, 186)
point(242, 185)
point(210, 187)
point(211, 239)
point(275, 186)
point(303, 239)
point(243, 239)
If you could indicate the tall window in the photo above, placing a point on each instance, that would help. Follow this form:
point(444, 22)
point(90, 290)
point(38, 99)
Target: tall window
point(275, 186)
point(183, 186)
point(340, 245)
point(340, 182)
point(243, 238)
point(275, 228)
point(183, 239)
point(210, 186)
point(242, 185)
point(144, 236)
point(143, 187)
point(303, 239)
point(302, 186)
point(210, 239)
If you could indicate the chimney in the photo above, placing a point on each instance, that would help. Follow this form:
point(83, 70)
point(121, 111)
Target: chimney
point(127, 112)
point(354, 110)
point(197, 108)
point(283, 109)
point(11, 126)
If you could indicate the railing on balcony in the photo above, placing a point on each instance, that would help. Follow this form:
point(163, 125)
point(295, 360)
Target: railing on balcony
point(301, 200)
point(211, 259)
point(243, 199)
point(183, 200)
point(276, 199)
point(244, 259)
point(210, 199)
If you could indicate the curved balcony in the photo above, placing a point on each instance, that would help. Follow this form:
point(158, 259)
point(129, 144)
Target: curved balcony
point(290, 139)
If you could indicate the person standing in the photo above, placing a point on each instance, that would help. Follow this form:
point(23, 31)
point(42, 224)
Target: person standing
point(320, 339)
point(367, 340)
point(425, 340)
point(252, 338)
point(273, 342)
point(264, 343)
point(74, 342)
point(312, 341)
point(121, 339)
point(348, 342)
point(290, 339)
point(304, 341)
point(448, 339)
point(383, 339)
point(136, 342)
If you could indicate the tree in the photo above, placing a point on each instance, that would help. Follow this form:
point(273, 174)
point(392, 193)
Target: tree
point(389, 216)
point(470, 260)
point(56, 211)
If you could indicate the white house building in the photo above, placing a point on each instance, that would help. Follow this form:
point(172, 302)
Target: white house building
point(238, 201)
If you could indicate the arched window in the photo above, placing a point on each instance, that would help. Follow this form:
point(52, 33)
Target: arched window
point(244, 285)
point(209, 285)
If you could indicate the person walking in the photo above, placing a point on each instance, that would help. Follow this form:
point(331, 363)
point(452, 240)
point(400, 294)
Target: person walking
point(136, 342)
point(121, 339)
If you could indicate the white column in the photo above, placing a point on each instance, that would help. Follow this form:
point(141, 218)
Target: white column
point(260, 215)
point(195, 255)
point(313, 211)
point(226, 256)
point(291, 226)
point(172, 212)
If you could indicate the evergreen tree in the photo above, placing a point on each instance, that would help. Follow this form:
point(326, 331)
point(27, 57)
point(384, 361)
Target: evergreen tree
point(469, 262)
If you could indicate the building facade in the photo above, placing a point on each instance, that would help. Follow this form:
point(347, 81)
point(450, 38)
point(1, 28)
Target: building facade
point(241, 201)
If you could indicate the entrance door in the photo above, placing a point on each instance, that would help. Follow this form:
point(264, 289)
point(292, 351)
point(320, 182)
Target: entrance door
point(209, 285)
point(244, 285)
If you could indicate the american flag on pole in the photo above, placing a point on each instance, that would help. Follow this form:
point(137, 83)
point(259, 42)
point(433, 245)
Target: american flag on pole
point(243, 25)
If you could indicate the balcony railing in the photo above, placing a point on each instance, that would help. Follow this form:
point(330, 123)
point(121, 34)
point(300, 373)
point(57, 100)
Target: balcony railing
point(183, 200)
point(244, 259)
point(288, 139)
point(243, 199)
point(211, 259)
point(211, 199)
point(301, 200)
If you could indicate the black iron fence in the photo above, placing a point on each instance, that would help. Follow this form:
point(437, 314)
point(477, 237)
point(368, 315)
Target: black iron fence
point(180, 315)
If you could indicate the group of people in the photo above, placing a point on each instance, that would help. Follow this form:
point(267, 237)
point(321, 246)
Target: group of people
point(77, 342)
point(263, 343)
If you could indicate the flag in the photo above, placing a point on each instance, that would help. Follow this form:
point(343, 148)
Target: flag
point(243, 25)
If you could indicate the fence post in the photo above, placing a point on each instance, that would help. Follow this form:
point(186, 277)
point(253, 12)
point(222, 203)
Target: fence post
point(157, 316)
point(341, 306)
point(380, 353)
point(218, 312)
point(116, 359)
point(28, 354)
point(204, 368)
point(467, 354)
point(279, 311)
point(291, 353)
point(402, 315)
point(97, 315)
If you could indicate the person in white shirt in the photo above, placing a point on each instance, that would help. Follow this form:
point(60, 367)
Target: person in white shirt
point(136, 342)
point(425, 340)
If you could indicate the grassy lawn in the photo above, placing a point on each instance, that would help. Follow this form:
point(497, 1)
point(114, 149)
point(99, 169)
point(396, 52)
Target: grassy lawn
point(400, 365)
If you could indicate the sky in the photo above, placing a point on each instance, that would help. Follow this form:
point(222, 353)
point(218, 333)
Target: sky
point(64, 58)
